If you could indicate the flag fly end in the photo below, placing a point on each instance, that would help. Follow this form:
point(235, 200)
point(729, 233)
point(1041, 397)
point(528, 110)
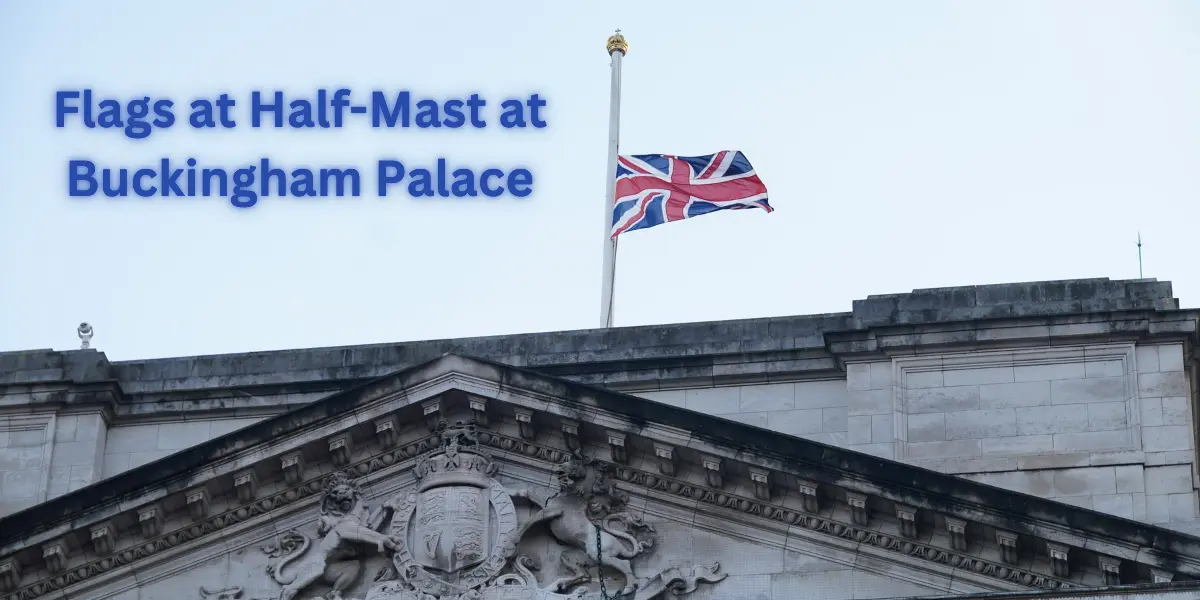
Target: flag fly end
point(652, 189)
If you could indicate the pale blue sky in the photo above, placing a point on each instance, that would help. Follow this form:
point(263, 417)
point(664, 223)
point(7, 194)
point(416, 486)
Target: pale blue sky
point(905, 145)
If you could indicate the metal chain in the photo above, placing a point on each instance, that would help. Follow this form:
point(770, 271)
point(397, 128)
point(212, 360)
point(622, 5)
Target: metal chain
point(600, 570)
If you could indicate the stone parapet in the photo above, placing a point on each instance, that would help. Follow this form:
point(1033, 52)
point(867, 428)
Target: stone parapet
point(652, 357)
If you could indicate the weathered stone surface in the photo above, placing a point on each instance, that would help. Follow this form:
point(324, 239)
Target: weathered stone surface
point(781, 518)
point(1079, 392)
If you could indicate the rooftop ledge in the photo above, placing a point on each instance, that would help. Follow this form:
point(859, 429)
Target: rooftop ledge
point(1031, 313)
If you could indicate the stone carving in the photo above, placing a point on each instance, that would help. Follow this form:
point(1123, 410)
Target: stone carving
point(524, 584)
point(457, 530)
point(149, 547)
point(449, 545)
point(680, 580)
point(577, 569)
point(233, 593)
point(591, 520)
point(345, 526)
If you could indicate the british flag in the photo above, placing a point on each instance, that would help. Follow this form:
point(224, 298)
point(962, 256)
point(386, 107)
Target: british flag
point(653, 189)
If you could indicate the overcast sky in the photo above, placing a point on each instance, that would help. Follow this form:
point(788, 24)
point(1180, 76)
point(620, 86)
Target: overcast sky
point(904, 144)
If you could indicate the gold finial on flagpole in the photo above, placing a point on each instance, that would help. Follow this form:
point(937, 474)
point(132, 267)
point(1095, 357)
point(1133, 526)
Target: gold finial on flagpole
point(617, 43)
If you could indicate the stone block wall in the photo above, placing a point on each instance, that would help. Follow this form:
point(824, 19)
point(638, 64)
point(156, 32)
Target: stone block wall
point(25, 450)
point(1152, 480)
point(980, 409)
point(1103, 426)
point(75, 458)
point(131, 446)
point(45, 455)
point(814, 410)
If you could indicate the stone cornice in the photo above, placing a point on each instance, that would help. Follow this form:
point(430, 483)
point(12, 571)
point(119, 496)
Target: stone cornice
point(269, 393)
point(1016, 332)
point(829, 521)
point(762, 476)
point(152, 539)
point(641, 358)
point(105, 397)
point(145, 544)
point(1177, 590)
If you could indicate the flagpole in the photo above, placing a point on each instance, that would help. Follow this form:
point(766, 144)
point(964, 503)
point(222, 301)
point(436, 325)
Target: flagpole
point(617, 47)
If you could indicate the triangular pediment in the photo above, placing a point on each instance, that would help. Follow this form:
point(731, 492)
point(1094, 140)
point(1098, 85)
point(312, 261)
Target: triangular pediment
point(685, 498)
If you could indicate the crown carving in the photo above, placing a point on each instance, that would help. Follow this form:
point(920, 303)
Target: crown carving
point(459, 461)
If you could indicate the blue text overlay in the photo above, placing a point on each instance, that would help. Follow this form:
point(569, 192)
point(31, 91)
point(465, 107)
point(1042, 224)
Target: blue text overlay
point(139, 118)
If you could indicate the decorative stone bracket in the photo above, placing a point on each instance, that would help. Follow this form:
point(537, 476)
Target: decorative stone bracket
point(385, 431)
point(1059, 559)
point(712, 472)
point(150, 519)
point(958, 533)
point(616, 445)
point(55, 556)
point(666, 458)
point(292, 465)
point(197, 503)
point(103, 538)
point(859, 514)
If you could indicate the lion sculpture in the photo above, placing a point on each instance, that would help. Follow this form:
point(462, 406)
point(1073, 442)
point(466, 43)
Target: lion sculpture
point(345, 525)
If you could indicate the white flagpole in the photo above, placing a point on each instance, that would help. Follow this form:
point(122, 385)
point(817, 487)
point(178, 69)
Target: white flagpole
point(617, 47)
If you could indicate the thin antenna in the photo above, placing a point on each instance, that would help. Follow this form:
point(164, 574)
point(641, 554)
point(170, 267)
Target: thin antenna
point(1140, 255)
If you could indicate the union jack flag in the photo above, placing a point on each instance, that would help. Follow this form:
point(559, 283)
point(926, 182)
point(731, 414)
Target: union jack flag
point(653, 189)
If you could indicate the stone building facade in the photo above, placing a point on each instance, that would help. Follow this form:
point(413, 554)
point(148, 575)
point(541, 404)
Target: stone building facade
point(1032, 438)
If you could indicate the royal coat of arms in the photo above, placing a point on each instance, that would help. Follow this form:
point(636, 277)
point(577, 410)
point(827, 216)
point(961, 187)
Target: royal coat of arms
point(452, 527)
point(457, 529)
point(453, 535)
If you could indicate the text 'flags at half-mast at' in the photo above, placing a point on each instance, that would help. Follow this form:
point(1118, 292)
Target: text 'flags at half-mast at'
point(645, 190)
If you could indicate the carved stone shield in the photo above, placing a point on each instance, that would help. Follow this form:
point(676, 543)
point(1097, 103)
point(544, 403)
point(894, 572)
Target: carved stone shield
point(451, 527)
point(453, 538)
